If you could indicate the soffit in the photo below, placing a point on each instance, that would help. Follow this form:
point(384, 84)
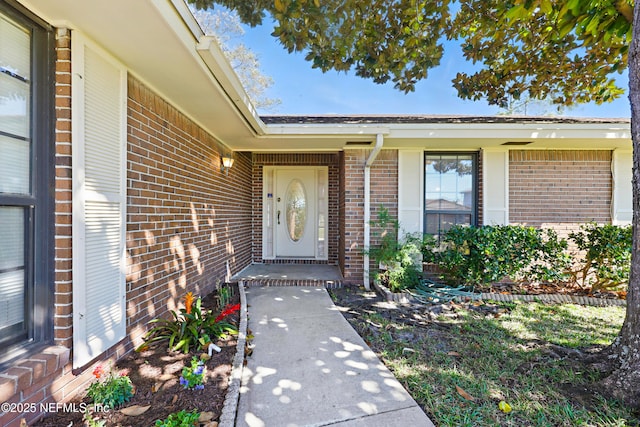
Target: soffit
point(161, 44)
point(158, 45)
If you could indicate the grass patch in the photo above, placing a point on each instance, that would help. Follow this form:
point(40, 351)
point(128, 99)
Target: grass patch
point(521, 356)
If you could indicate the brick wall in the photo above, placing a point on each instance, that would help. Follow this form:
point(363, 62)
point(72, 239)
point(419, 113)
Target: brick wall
point(297, 159)
point(341, 211)
point(480, 219)
point(188, 227)
point(189, 223)
point(559, 189)
point(384, 192)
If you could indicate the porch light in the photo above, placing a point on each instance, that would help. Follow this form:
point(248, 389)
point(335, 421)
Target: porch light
point(227, 162)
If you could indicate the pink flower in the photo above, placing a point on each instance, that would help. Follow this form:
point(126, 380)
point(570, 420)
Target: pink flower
point(98, 371)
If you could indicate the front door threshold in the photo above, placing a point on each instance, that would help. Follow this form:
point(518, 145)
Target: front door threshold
point(324, 275)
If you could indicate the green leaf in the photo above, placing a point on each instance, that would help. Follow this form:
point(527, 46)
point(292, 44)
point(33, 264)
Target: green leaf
point(517, 12)
point(546, 6)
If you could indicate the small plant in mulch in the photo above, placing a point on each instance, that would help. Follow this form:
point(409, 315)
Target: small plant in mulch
point(193, 328)
point(193, 375)
point(110, 390)
point(180, 419)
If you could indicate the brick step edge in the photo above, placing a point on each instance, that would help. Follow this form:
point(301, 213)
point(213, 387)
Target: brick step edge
point(329, 284)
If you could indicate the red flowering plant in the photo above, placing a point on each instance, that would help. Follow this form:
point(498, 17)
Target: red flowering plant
point(192, 328)
point(110, 390)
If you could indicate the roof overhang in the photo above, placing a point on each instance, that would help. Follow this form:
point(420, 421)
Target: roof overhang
point(161, 43)
point(456, 133)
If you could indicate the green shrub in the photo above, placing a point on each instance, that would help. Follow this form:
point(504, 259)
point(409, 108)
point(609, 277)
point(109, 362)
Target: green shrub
point(180, 419)
point(481, 255)
point(605, 260)
point(385, 232)
point(110, 390)
point(399, 260)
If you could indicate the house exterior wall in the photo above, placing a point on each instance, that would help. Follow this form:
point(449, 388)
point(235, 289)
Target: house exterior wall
point(188, 228)
point(331, 160)
point(384, 193)
point(189, 223)
point(560, 189)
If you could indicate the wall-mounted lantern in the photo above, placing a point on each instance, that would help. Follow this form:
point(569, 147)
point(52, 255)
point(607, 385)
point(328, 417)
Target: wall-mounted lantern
point(227, 163)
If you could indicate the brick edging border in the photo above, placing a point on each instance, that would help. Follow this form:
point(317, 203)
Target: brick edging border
point(230, 407)
point(329, 284)
point(406, 298)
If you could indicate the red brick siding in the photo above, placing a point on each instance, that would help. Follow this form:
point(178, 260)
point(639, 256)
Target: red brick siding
point(188, 222)
point(341, 211)
point(353, 214)
point(384, 189)
point(480, 186)
point(63, 207)
point(297, 159)
point(559, 189)
point(384, 193)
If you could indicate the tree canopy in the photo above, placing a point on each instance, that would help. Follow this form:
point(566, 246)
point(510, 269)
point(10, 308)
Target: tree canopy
point(566, 51)
point(226, 27)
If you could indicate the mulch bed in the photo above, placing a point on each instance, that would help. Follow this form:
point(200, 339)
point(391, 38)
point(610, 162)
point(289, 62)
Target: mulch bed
point(155, 374)
point(549, 288)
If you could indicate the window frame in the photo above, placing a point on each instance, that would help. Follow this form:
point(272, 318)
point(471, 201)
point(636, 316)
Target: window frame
point(39, 205)
point(475, 183)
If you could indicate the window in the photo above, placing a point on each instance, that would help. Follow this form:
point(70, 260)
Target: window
point(25, 195)
point(450, 191)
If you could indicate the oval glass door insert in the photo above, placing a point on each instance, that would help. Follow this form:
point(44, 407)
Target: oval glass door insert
point(296, 210)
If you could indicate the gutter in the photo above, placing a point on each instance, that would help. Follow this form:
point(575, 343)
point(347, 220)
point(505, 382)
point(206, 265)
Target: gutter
point(367, 205)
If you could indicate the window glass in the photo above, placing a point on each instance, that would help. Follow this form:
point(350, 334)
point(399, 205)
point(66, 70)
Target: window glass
point(296, 202)
point(11, 270)
point(26, 91)
point(450, 193)
point(15, 173)
point(14, 165)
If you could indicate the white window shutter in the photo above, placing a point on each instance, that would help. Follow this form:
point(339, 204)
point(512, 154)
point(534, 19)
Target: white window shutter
point(495, 186)
point(411, 191)
point(622, 203)
point(99, 201)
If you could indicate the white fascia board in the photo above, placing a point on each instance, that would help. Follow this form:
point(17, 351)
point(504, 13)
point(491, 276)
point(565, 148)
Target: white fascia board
point(512, 131)
point(315, 129)
point(221, 70)
point(214, 60)
point(187, 17)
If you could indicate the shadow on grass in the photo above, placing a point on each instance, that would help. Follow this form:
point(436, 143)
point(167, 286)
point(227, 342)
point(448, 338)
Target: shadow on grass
point(461, 363)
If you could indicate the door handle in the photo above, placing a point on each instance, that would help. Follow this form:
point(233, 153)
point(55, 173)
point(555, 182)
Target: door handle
point(278, 217)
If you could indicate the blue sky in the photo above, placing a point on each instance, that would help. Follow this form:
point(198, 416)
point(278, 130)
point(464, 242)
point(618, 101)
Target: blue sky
point(304, 90)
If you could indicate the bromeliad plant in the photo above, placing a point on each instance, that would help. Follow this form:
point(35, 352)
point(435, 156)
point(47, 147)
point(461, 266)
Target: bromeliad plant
point(110, 390)
point(193, 328)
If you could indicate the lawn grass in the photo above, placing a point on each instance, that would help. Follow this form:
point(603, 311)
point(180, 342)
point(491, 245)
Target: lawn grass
point(522, 357)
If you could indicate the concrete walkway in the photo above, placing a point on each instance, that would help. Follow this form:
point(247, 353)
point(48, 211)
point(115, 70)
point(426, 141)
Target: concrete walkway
point(310, 368)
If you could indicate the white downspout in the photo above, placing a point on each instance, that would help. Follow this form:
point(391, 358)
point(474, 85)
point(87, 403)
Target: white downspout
point(367, 205)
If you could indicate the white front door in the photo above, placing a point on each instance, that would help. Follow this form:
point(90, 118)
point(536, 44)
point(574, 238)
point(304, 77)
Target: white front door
point(295, 212)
